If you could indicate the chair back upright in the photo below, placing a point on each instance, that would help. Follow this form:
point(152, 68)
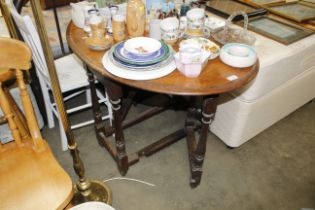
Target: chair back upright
point(16, 56)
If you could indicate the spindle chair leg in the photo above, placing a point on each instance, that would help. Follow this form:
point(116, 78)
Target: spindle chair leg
point(29, 112)
point(18, 116)
point(5, 106)
point(3, 120)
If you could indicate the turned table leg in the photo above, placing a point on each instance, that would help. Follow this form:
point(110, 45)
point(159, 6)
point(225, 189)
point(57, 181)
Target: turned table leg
point(115, 94)
point(197, 149)
point(98, 123)
point(121, 156)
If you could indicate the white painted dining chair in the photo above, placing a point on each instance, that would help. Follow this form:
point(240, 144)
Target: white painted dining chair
point(71, 74)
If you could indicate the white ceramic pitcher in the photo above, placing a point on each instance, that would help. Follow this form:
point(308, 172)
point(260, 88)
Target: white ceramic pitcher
point(78, 12)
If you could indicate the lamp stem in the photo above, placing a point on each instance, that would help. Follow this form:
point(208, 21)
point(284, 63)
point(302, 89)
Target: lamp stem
point(85, 190)
point(8, 20)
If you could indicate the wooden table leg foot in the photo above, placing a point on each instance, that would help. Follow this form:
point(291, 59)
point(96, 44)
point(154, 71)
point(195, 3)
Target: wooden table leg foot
point(123, 165)
point(194, 182)
point(195, 178)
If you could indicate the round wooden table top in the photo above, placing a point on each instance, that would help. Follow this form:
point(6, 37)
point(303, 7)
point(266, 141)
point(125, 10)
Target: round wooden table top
point(214, 78)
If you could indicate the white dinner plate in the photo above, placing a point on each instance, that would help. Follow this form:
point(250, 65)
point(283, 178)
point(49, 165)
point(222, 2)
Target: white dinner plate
point(136, 75)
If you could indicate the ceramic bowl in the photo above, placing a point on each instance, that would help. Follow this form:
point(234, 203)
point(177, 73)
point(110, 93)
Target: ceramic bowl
point(238, 55)
point(142, 46)
point(92, 205)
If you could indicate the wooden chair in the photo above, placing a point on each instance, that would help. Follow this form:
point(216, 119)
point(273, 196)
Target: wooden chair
point(71, 74)
point(8, 76)
point(30, 176)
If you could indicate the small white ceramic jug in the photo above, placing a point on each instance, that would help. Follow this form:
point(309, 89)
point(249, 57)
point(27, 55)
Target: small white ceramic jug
point(78, 14)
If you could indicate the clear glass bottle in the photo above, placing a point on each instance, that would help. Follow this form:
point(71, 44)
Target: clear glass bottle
point(135, 18)
point(97, 24)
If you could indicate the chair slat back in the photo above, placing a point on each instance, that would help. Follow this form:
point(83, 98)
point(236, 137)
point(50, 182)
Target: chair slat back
point(11, 50)
point(31, 37)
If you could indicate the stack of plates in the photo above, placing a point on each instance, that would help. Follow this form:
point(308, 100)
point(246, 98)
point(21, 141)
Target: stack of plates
point(139, 59)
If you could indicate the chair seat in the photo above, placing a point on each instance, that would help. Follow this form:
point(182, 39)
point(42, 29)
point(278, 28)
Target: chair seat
point(71, 73)
point(39, 173)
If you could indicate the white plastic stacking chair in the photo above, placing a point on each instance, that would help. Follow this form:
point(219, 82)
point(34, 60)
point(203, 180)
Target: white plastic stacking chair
point(71, 74)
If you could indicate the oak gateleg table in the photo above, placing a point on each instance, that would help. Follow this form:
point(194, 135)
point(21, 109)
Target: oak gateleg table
point(215, 79)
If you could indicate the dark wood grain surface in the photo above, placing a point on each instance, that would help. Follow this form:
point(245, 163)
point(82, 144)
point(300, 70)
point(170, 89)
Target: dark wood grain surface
point(212, 80)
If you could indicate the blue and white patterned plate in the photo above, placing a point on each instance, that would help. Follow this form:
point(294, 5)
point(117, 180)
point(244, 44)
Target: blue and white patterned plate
point(120, 54)
point(132, 67)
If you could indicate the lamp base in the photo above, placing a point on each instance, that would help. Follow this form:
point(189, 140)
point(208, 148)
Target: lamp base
point(97, 191)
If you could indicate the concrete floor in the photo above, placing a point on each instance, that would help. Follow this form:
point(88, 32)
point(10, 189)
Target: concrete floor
point(273, 171)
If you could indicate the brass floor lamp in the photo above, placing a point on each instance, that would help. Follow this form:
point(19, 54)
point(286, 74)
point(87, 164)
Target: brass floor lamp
point(85, 189)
